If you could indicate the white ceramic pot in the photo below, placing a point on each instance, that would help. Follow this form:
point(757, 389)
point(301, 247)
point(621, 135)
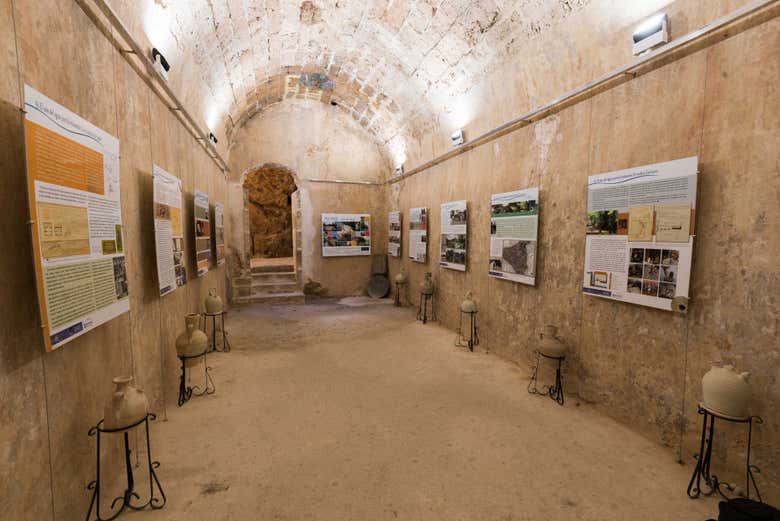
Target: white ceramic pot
point(468, 305)
point(427, 285)
point(726, 392)
point(550, 344)
point(128, 404)
point(401, 277)
point(213, 302)
point(193, 341)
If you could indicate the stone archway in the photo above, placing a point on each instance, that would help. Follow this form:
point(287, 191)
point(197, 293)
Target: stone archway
point(268, 195)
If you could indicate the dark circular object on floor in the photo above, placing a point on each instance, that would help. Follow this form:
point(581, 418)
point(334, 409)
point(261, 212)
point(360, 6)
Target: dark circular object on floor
point(378, 286)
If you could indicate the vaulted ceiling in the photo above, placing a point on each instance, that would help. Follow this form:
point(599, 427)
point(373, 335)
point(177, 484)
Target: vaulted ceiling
point(394, 65)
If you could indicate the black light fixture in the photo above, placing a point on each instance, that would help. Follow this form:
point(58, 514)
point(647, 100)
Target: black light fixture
point(212, 138)
point(160, 63)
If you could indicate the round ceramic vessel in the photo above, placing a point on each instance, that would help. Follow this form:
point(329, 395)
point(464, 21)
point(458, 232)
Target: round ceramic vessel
point(427, 286)
point(726, 392)
point(127, 405)
point(551, 345)
point(468, 305)
point(401, 277)
point(193, 341)
point(213, 302)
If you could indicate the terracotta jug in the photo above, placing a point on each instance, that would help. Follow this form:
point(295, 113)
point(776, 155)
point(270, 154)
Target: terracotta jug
point(468, 305)
point(213, 302)
point(401, 277)
point(193, 341)
point(128, 404)
point(427, 285)
point(726, 392)
point(550, 344)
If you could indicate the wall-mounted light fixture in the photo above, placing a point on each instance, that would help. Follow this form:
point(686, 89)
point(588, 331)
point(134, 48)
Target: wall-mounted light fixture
point(651, 33)
point(161, 65)
point(399, 170)
point(458, 138)
point(212, 138)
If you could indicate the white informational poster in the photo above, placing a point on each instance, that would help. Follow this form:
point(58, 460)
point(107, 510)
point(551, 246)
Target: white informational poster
point(76, 220)
point(394, 234)
point(639, 242)
point(202, 233)
point(418, 234)
point(514, 229)
point(346, 234)
point(168, 231)
point(454, 220)
point(219, 233)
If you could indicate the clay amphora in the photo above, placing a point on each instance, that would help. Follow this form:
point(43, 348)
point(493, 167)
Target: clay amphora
point(468, 305)
point(726, 392)
point(193, 341)
point(427, 285)
point(128, 404)
point(550, 344)
point(213, 302)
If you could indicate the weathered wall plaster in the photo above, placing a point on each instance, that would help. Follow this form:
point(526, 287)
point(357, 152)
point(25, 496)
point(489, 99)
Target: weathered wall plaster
point(314, 141)
point(640, 365)
point(52, 399)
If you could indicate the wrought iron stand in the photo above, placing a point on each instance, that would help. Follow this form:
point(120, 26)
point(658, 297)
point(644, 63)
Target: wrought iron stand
point(214, 316)
point(422, 310)
point(130, 494)
point(398, 291)
point(473, 336)
point(555, 392)
point(185, 392)
point(704, 458)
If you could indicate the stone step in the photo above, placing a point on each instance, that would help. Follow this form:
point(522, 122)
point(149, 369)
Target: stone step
point(293, 297)
point(281, 268)
point(273, 277)
point(275, 287)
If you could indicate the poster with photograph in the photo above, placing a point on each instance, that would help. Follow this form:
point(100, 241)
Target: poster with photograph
point(454, 220)
point(394, 235)
point(639, 241)
point(346, 234)
point(202, 233)
point(219, 233)
point(168, 231)
point(76, 220)
point(418, 234)
point(514, 228)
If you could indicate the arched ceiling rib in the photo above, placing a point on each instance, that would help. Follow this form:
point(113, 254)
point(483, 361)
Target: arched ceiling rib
point(392, 64)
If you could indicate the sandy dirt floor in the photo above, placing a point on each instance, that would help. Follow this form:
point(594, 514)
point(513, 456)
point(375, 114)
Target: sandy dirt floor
point(344, 411)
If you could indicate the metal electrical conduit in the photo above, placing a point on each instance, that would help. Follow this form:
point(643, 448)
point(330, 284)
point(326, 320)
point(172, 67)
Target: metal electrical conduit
point(749, 15)
point(151, 78)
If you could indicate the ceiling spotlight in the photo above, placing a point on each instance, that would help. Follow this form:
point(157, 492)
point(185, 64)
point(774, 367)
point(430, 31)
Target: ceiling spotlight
point(651, 33)
point(212, 138)
point(458, 138)
point(161, 65)
point(399, 170)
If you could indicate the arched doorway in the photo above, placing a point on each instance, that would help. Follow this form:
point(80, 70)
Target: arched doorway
point(269, 195)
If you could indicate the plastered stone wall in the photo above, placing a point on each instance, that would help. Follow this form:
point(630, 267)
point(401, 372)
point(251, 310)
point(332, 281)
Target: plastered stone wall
point(52, 399)
point(314, 141)
point(639, 365)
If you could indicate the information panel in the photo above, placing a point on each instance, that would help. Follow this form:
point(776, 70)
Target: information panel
point(514, 228)
point(168, 231)
point(639, 242)
point(73, 191)
point(202, 233)
point(219, 233)
point(454, 220)
point(346, 234)
point(418, 234)
point(394, 234)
